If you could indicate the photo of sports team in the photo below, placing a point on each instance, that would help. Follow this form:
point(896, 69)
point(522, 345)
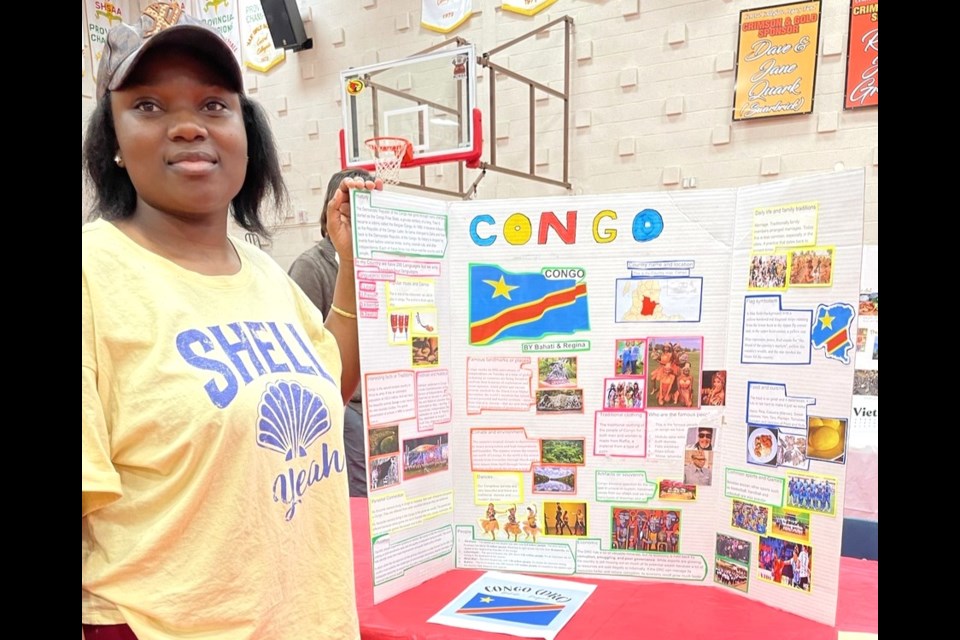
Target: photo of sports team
point(750, 517)
point(792, 524)
point(812, 493)
point(731, 567)
point(730, 574)
point(785, 563)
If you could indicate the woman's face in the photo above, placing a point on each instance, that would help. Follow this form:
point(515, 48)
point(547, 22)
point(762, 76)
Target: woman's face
point(181, 135)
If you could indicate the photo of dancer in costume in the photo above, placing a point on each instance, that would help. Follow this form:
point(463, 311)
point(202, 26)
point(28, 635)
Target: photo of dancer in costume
point(675, 368)
point(565, 519)
point(623, 394)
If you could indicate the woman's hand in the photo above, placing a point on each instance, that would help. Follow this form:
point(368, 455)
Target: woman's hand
point(343, 323)
point(339, 220)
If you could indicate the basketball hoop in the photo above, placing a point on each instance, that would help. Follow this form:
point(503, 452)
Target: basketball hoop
point(389, 154)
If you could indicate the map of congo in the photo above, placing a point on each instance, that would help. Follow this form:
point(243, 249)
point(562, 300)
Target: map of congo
point(659, 299)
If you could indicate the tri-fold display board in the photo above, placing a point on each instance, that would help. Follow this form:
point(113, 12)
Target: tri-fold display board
point(631, 386)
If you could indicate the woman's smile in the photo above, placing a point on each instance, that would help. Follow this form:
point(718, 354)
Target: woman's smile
point(193, 162)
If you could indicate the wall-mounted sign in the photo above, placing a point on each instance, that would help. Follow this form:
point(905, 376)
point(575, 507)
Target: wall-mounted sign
point(223, 16)
point(526, 7)
point(445, 15)
point(863, 55)
point(259, 53)
point(777, 60)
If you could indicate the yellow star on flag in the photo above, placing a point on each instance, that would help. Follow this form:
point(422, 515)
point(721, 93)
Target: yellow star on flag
point(501, 288)
point(826, 320)
point(486, 599)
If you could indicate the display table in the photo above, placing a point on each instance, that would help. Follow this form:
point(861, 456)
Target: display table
point(618, 609)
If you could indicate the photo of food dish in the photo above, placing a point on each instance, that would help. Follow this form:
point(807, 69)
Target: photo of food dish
point(761, 446)
point(828, 438)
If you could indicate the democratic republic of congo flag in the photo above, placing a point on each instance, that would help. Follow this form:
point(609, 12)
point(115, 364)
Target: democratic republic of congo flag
point(484, 605)
point(505, 305)
point(831, 330)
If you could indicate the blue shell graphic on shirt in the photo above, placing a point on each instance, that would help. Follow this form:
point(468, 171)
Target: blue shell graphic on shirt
point(290, 419)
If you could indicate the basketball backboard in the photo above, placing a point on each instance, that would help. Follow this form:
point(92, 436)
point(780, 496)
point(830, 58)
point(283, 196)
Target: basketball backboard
point(429, 99)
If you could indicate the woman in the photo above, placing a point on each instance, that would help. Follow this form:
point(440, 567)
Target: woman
point(214, 498)
point(530, 528)
point(685, 388)
point(490, 523)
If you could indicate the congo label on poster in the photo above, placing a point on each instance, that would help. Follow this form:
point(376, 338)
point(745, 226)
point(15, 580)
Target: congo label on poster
point(777, 61)
point(863, 55)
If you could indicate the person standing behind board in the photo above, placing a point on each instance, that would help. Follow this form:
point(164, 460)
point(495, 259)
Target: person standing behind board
point(315, 270)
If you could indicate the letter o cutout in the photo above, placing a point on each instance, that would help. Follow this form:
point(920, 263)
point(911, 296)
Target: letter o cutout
point(517, 229)
point(647, 225)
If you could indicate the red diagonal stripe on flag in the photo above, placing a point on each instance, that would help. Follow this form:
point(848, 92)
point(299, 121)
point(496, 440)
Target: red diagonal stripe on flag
point(511, 609)
point(836, 341)
point(484, 331)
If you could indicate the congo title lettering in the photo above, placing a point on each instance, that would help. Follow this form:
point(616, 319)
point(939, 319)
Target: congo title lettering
point(518, 228)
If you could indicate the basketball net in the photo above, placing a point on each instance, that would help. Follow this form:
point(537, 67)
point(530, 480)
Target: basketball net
point(388, 155)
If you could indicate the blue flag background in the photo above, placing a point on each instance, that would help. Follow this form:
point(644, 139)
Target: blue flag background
point(505, 305)
point(513, 609)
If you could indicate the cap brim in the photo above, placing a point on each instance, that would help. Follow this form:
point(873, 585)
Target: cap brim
point(200, 39)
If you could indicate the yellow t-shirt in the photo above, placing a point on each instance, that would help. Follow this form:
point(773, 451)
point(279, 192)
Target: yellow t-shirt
point(215, 500)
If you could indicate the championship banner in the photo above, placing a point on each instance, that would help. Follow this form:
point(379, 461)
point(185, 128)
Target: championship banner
point(137, 6)
point(100, 17)
point(863, 55)
point(526, 7)
point(222, 16)
point(86, 75)
point(445, 15)
point(777, 61)
point(259, 53)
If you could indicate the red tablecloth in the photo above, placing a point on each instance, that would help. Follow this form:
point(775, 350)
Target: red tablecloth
point(618, 609)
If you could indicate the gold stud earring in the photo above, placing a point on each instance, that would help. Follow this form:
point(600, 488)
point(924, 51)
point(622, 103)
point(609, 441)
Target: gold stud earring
point(118, 159)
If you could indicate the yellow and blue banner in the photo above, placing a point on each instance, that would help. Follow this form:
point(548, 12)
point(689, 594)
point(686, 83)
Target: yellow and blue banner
point(510, 306)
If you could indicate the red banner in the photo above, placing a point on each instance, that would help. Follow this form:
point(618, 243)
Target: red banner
point(863, 55)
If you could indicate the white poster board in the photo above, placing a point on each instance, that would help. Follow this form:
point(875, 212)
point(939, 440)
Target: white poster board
point(633, 386)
